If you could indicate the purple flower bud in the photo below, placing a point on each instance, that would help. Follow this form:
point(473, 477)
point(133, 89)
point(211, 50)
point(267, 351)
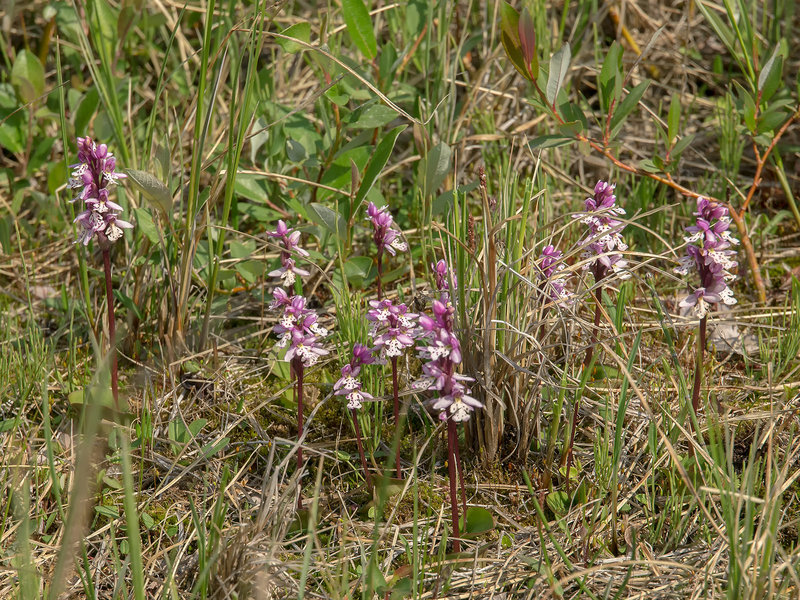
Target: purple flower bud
point(385, 237)
point(550, 275)
point(290, 240)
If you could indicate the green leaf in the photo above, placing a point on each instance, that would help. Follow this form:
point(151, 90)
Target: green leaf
point(152, 189)
point(359, 26)
point(748, 109)
point(12, 138)
point(773, 80)
point(509, 36)
point(76, 397)
point(558, 502)
point(681, 145)
point(478, 520)
point(383, 151)
point(572, 112)
point(128, 303)
point(27, 76)
point(437, 166)
point(723, 31)
point(176, 430)
point(251, 270)
point(649, 165)
point(298, 31)
point(144, 222)
point(571, 128)
point(148, 521)
point(86, 109)
point(374, 116)
point(327, 218)
point(550, 141)
point(768, 67)
point(357, 269)
point(295, 151)
point(771, 119)
point(559, 65)
point(213, 448)
point(112, 512)
point(673, 118)
point(627, 106)
point(241, 250)
point(610, 77)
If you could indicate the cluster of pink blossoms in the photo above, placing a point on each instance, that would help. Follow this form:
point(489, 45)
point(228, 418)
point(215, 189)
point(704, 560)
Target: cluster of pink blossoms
point(348, 384)
point(298, 329)
point(603, 240)
point(92, 175)
point(709, 253)
point(551, 277)
point(393, 327)
point(439, 348)
point(385, 236)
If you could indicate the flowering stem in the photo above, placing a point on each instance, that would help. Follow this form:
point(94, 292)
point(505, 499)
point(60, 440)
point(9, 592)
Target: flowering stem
point(357, 428)
point(380, 273)
point(452, 445)
point(698, 366)
point(297, 367)
point(598, 303)
point(112, 348)
point(666, 179)
point(396, 396)
point(461, 478)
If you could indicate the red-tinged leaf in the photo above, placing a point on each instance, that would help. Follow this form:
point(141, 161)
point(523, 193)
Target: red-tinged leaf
point(509, 36)
point(527, 39)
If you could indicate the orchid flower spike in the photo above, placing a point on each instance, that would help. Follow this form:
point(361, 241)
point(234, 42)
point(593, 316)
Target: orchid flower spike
point(92, 175)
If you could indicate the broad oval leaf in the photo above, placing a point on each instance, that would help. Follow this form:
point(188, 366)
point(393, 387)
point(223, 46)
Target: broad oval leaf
point(374, 116)
point(437, 165)
point(299, 31)
point(27, 76)
point(357, 270)
point(478, 520)
point(327, 218)
point(145, 224)
point(152, 189)
point(359, 26)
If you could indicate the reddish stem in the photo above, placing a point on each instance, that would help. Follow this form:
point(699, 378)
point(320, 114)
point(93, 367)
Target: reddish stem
point(357, 428)
point(396, 394)
point(297, 368)
point(698, 366)
point(461, 478)
point(112, 348)
point(380, 273)
point(698, 374)
point(452, 444)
